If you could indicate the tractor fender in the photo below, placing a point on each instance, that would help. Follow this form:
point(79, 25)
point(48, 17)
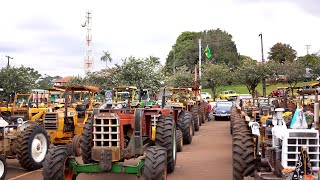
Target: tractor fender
point(26, 124)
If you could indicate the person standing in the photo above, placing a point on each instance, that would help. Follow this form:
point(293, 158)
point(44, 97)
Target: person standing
point(208, 110)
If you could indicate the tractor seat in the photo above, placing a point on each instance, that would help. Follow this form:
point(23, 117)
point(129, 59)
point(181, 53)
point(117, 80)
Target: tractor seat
point(81, 107)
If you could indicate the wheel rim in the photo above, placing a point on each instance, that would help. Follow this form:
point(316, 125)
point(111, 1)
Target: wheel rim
point(1, 168)
point(165, 171)
point(191, 129)
point(39, 147)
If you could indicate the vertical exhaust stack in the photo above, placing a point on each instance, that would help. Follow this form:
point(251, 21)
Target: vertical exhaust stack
point(163, 97)
point(316, 115)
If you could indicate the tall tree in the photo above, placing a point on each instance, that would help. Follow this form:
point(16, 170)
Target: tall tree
point(282, 52)
point(186, 50)
point(294, 72)
point(215, 75)
point(309, 60)
point(106, 57)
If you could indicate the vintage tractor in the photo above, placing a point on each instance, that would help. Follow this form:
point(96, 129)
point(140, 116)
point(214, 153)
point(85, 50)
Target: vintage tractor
point(23, 140)
point(270, 149)
point(112, 136)
point(67, 123)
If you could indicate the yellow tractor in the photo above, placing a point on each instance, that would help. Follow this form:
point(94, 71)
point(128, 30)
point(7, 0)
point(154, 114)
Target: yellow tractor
point(65, 125)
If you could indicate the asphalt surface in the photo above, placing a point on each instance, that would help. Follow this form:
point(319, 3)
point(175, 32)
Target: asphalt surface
point(207, 157)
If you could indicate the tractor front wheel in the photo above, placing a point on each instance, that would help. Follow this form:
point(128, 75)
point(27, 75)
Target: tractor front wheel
point(185, 124)
point(166, 137)
point(179, 140)
point(195, 117)
point(155, 164)
point(86, 142)
point(3, 167)
point(33, 144)
point(202, 112)
point(76, 145)
point(55, 163)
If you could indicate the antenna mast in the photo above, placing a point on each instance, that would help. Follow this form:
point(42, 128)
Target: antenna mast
point(88, 59)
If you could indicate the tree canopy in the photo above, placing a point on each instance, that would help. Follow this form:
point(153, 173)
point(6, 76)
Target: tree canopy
point(281, 52)
point(182, 77)
point(186, 50)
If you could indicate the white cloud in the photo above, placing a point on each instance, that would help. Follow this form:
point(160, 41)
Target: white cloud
point(48, 36)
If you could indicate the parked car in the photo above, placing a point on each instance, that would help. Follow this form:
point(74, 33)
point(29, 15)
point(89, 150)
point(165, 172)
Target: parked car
point(307, 89)
point(229, 95)
point(223, 109)
point(206, 95)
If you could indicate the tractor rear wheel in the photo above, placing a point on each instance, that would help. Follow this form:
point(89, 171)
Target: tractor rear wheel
point(86, 142)
point(155, 164)
point(33, 144)
point(195, 117)
point(3, 167)
point(76, 145)
point(166, 137)
point(55, 163)
point(185, 124)
point(243, 154)
point(179, 140)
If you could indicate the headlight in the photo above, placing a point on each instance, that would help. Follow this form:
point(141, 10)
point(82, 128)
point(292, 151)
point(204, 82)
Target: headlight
point(19, 120)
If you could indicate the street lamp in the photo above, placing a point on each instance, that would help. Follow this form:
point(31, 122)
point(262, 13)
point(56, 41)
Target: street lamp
point(263, 80)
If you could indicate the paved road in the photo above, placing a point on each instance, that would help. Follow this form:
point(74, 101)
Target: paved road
point(208, 157)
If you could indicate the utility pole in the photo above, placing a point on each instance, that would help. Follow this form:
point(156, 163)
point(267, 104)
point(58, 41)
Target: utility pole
point(88, 59)
point(308, 47)
point(263, 80)
point(9, 60)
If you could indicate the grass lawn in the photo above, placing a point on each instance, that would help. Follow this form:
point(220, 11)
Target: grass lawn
point(242, 89)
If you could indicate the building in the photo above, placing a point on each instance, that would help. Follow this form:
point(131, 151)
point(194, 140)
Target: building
point(62, 81)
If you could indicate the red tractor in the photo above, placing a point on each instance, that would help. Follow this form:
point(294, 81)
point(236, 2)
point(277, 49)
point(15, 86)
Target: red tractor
point(111, 136)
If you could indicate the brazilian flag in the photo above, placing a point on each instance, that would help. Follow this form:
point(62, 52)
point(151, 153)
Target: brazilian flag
point(208, 52)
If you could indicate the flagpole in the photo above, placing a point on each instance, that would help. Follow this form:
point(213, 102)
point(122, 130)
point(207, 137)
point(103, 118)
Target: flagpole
point(199, 58)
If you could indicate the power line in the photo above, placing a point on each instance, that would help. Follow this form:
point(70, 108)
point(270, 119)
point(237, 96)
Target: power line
point(308, 47)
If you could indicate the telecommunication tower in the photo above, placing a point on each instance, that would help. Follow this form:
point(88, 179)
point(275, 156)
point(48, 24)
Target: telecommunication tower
point(88, 59)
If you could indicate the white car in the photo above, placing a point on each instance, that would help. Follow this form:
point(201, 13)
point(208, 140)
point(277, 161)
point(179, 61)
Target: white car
point(206, 95)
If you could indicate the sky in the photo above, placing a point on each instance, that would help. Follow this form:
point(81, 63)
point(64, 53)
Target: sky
point(47, 35)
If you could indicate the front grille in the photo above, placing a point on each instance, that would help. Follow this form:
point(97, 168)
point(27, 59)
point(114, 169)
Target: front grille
point(106, 130)
point(293, 144)
point(50, 120)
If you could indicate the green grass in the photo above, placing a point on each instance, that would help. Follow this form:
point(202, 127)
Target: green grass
point(242, 89)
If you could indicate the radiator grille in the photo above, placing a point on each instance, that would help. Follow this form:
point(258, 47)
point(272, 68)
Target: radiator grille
point(292, 147)
point(50, 120)
point(106, 130)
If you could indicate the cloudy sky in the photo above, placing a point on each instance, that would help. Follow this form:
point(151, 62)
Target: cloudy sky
point(47, 35)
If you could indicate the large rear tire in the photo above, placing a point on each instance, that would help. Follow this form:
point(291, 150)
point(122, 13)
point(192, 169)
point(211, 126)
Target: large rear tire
point(195, 117)
point(166, 137)
point(54, 166)
point(179, 140)
point(185, 124)
point(3, 167)
point(86, 142)
point(33, 144)
point(243, 152)
point(76, 140)
point(155, 164)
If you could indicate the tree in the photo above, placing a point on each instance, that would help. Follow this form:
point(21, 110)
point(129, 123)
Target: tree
point(186, 50)
point(215, 75)
point(294, 71)
point(106, 57)
point(17, 80)
point(140, 72)
point(309, 60)
point(281, 52)
point(46, 81)
point(251, 74)
point(182, 77)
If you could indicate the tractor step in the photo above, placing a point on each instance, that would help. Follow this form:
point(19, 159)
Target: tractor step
point(95, 168)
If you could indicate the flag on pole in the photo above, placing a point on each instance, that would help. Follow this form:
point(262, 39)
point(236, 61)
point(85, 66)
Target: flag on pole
point(208, 52)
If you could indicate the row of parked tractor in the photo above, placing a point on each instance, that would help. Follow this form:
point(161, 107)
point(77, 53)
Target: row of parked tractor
point(43, 132)
point(275, 138)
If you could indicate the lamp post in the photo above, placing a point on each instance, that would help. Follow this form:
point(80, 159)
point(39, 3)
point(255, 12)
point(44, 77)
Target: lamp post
point(263, 79)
